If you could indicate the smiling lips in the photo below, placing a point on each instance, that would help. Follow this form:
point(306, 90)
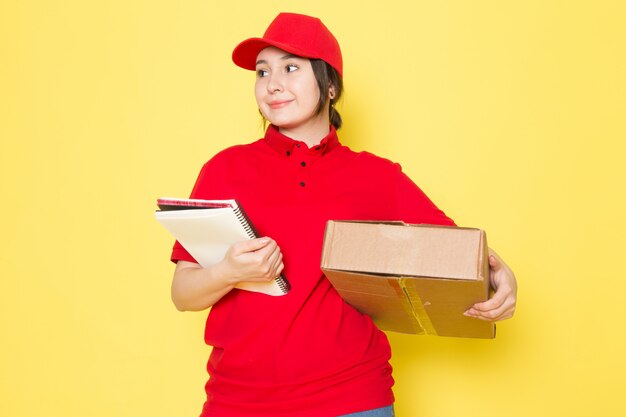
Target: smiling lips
point(278, 104)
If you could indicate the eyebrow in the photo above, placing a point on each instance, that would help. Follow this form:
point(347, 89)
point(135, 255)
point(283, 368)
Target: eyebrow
point(287, 56)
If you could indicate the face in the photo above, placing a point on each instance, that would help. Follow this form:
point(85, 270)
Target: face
point(287, 92)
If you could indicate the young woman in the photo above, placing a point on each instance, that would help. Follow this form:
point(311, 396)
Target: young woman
point(307, 353)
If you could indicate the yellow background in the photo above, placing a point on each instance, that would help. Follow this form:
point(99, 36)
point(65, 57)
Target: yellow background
point(509, 114)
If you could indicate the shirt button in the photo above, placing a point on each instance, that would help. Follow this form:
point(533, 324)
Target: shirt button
point(303, 163)
point(302, 184)
point(288, 153)
point(298, 145)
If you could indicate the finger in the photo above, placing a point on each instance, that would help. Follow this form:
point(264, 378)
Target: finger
point(495, 315)
point(494, 263)
point(505, 311)
point(270, 252)
point(490, 318)
point(252, 245)
point(495, 306)
point(264, 262)
point(271, 262)
point(275, 269)
point(281, 267)
point(247, 246)
point(497, 300)
point(276, 265)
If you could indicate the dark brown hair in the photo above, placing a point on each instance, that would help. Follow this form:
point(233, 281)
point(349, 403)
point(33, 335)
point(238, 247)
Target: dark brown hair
point(327, 77)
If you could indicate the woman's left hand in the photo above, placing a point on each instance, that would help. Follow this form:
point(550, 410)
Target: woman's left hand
point(501, 305)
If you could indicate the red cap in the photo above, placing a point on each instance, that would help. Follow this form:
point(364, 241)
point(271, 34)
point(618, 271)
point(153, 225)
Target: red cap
point(298, 34)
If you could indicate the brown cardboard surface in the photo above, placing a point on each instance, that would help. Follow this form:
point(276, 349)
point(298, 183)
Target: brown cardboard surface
point(415, 279)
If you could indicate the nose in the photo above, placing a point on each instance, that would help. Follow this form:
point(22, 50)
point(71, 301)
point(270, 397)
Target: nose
point(275, 83)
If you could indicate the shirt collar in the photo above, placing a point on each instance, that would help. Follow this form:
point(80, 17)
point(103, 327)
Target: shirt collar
point(284, 145)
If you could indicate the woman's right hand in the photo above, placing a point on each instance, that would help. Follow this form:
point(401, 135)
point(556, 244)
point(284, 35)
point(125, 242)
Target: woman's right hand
point(195, 288)
point(258, 260)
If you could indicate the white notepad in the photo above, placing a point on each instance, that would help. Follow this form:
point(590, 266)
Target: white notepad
point(207, 228)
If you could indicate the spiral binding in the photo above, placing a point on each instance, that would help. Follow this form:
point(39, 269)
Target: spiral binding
point(252, 233)
point(245, 222)
point(283, 284)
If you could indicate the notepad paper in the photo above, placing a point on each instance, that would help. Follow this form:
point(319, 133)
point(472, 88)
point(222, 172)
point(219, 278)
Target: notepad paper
point(207, 228)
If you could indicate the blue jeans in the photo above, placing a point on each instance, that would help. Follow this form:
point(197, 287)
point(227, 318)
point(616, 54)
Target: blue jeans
point(377, 412)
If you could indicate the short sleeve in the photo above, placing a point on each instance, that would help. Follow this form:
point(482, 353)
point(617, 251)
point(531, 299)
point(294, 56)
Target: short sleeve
point(413, 205)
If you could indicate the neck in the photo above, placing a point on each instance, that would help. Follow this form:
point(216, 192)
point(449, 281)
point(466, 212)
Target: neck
point(311, 133)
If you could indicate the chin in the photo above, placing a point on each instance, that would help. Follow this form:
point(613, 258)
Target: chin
point(276, 121)
point(284, 124)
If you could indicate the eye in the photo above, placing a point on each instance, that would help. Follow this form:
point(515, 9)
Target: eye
point(292, 67)
point(261, 73)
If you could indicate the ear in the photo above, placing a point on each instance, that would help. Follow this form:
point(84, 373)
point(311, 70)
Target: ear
point(331, 92)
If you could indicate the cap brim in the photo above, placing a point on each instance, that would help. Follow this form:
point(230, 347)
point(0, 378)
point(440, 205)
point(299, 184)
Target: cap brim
point(245, 54)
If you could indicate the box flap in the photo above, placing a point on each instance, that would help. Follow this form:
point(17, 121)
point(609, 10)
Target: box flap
point(381, 298)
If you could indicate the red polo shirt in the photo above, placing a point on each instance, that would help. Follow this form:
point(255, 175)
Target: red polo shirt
point(307, 353)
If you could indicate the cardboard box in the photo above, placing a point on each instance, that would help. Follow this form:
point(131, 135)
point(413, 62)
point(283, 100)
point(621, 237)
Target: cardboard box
point(415, 279)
